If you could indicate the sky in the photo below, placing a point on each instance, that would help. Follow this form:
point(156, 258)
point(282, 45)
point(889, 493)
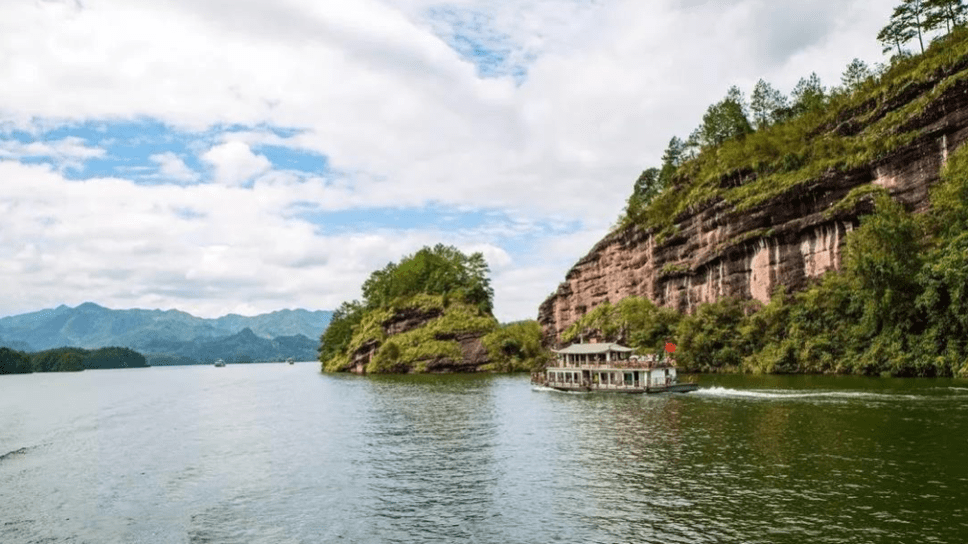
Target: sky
point(246, 156)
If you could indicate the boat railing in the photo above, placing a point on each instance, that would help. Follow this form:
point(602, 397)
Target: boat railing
point(627, 365)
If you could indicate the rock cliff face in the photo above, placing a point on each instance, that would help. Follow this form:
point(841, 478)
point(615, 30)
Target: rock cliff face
point(473, 353)
point(786, 241)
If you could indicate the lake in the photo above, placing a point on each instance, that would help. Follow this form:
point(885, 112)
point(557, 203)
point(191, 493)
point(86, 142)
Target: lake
point(276, 453)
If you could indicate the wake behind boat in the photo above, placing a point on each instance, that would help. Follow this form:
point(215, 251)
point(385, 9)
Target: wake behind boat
point(610, 367)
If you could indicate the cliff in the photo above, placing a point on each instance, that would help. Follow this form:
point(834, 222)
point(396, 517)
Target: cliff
point(718, 248)
point(421, 334)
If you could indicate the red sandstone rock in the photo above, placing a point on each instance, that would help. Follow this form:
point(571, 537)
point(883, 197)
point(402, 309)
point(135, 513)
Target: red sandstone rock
point(784, 242)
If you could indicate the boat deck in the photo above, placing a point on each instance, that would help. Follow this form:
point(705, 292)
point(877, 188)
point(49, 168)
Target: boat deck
point(638, 386)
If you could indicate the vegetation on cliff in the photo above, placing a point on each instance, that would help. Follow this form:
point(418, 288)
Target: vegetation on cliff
point(898, 305)
point(745, 154)
point(516, 347)
point(415, 314)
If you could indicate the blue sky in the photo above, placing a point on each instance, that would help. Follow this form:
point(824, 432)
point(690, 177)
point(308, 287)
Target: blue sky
point(273, 155)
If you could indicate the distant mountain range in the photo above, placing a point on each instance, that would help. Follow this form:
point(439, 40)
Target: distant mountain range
point(170, 336)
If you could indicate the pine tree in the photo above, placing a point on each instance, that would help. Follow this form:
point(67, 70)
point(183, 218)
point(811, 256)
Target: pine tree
point(911, 15)
point(894, 35)
point(809, 94)
point(855, 75)
point(724, 120)
point(949, 13)
point(766, 104)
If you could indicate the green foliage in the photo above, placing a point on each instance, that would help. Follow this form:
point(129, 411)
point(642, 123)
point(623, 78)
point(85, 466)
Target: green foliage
point(442, 321)
point(820, 134)
point(337, 363)
point(911, 16)
point(894, 35)
point(14, 362)
point(516, 347)
point(338, 334)
point(808, 95)
point(634, 321)
point(69, 362)
point(946, 13)
point(709, 339)
point(440, 283)
point(949, 198)
point(898, 307)
point(369, 329)
point(723, 121)
point(432, 341)
point(114, 357)
point(882, 258)
point(436, 271)
point(645, 189)
point(856, 74)
point(767, 104)
point(73, 359)
point(851, 200)
point(672, 269)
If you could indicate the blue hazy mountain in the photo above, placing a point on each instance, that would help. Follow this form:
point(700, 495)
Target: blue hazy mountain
point(170, 336)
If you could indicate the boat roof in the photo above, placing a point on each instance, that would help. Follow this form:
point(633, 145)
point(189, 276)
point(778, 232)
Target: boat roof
point(580, 349)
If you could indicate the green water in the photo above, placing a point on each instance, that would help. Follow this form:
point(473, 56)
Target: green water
point(280, 453)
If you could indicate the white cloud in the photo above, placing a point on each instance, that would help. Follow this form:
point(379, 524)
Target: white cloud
point(403, 120)
point(172, 167)
point(235, 163)
point(207, 249)
point(69, 152)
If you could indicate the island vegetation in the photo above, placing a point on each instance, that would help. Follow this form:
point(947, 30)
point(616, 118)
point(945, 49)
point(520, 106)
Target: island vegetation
point(899, 305)
point(420, 314)
point(68, 360)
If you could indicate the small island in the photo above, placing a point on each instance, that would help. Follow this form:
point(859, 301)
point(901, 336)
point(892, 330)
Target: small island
point(431, 312)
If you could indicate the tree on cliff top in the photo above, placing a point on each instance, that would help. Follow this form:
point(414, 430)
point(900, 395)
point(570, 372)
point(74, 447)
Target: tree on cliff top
point(911, 18)
point(856, 73)
point(946, 13)
point(723, 121)
point(441, 270)
point(767, 104)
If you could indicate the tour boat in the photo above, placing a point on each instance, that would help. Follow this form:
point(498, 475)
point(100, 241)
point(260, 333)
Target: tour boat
point(219, 362)
point(610, 367)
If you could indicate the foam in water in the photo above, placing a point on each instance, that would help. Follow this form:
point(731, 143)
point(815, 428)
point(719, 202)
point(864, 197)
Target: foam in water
point(783, 394)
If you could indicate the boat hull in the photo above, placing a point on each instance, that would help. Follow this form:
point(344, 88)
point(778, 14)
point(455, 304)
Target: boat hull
point(673, 388)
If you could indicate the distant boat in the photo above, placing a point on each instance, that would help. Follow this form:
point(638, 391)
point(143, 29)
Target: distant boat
point(219, 362)
point(290, 360)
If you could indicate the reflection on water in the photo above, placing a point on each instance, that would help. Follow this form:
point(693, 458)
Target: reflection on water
point(279, 453)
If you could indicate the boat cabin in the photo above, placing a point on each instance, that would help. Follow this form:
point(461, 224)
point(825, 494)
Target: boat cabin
point(608, 366)
point(587, 354)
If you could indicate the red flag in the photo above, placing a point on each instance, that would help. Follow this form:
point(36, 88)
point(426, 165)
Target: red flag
point(670, 347)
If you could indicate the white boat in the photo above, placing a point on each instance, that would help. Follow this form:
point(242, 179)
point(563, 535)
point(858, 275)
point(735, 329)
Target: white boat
point(610, 367)
point(290, 361)
point(219, 362)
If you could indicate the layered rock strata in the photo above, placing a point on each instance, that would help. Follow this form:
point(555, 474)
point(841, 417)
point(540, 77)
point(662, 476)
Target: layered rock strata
point(785, 242)
point(473, 353)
